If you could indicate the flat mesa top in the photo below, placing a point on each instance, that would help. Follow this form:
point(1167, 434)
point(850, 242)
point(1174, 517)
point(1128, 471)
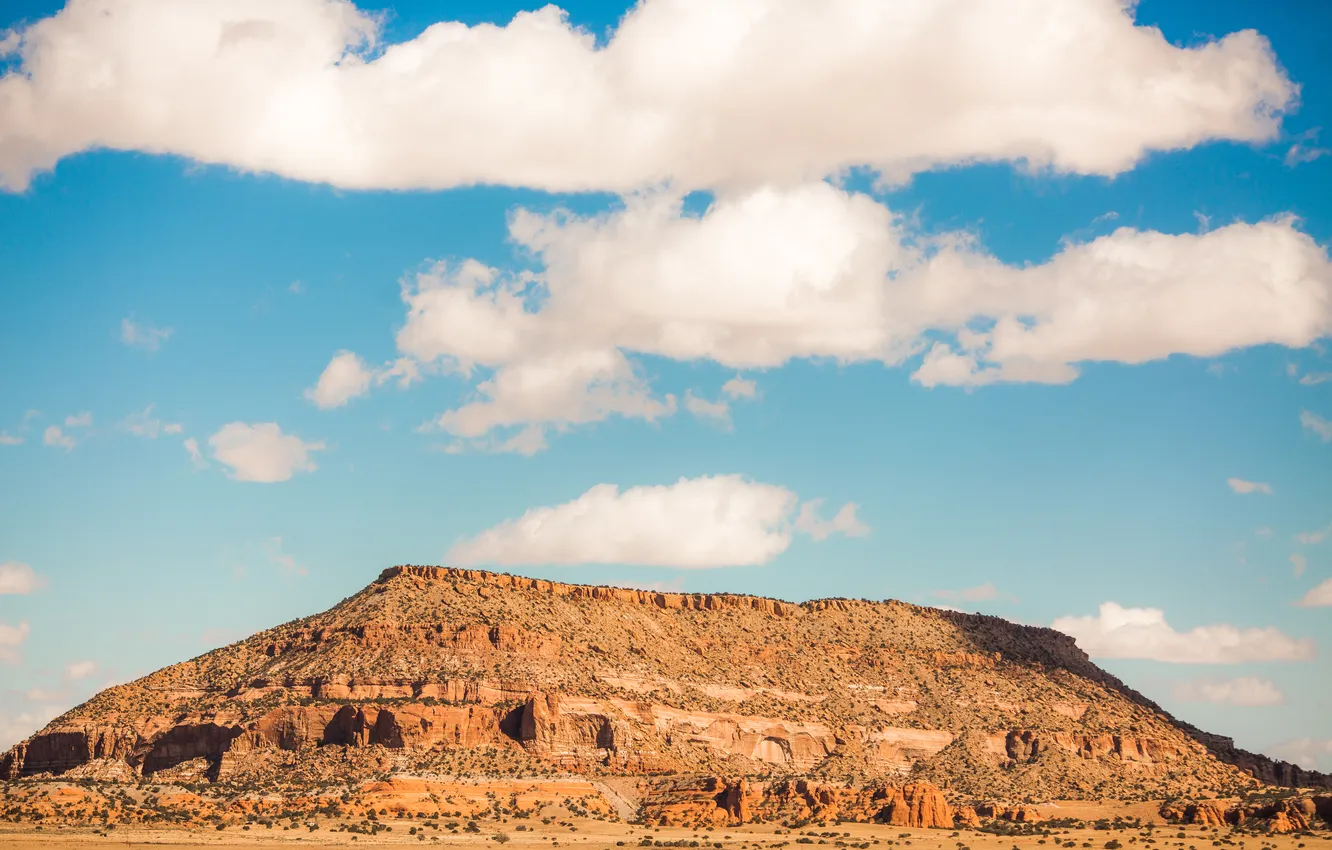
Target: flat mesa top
point(660, 599)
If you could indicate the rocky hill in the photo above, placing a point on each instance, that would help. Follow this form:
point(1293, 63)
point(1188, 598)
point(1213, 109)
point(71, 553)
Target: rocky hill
point(439, 671)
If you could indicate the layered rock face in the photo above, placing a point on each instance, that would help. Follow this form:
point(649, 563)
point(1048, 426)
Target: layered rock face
point(431, 668)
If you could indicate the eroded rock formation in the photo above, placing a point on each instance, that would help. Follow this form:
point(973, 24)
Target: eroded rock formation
point(429, 667)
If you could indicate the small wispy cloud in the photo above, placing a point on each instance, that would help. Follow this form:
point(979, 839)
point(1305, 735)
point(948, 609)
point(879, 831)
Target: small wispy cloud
point(80, 670)
point(1299, 563)
point(145, 425)
point(11, 641)
point(1313, 538)
point(719, 411)
point(58, 438)
point(1305, 149)
point(1239, 485)
point(716, 411)
point(1249, 691)
point(284, 561)
point(1311, 421)
point(980, 593)
point(196, 456)
point(143, 335)
point(54, 437)
point(810, 521)
point(739, 387)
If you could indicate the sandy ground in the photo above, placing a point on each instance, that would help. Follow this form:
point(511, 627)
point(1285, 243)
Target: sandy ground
point(595, 835)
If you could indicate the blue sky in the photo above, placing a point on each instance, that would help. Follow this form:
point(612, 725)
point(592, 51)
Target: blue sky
point(1030, 359)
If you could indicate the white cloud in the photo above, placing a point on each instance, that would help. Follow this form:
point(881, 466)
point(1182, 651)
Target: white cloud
point(146, 425)
point(79, 420)
point(345, 378)
point(196, 456)
point(1299, 563)
point(18, 578)
point(57, 438)
point(11, 638)
point(1313, 422)
point(697, 523)
point(1265, 531)
point(1319, 596)
point(6, 439)
point(80, 670)
point(693, 92)
point(526, 442)
point(1315, 378)
point(810, 521)
point(1239, 485)
point(1245, 691)
point(1118, 632)
point(739, 387)
point(1298, 154)
point(261, 452)
point(132, 333)
point(979, 593)
point(815, 272)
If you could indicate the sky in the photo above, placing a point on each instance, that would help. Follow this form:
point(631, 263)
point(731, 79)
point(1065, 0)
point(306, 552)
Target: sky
point(1023, 310)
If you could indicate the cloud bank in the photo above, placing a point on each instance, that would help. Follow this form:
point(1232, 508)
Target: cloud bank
point(692, 92)
point(1118, 632)
point(816, 272)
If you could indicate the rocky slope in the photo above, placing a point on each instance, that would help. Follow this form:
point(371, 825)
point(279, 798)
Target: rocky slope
point(438, 671)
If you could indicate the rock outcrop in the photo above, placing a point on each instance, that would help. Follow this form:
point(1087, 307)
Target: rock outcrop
point(921, 805)
point(1292, 814)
